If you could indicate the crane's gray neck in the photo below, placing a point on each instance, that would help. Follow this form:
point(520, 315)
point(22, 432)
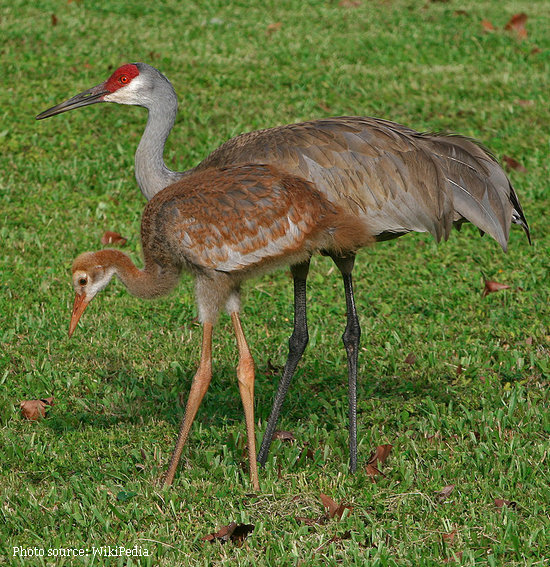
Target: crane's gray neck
point(151, 172)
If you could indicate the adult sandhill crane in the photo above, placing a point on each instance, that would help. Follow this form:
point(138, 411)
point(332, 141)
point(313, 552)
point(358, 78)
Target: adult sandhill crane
point(191, 225)
point(395, 179)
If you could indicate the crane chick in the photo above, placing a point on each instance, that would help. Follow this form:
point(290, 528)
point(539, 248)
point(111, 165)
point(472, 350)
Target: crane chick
point(224, 226)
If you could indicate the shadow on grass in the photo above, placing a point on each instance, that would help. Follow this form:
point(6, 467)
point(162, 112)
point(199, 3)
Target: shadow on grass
point(126, 397)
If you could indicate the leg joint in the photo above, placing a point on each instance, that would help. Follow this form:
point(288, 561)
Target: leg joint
point(298, 341)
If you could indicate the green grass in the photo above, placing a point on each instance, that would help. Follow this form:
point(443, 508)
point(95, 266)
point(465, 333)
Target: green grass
point(87, 475)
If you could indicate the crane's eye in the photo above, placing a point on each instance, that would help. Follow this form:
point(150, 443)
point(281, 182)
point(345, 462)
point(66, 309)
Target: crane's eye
point(124, 79)
point(82, 281)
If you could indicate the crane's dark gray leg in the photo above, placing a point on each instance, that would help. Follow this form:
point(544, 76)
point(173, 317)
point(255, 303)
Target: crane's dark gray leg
point(296, 346)
point(351, 337)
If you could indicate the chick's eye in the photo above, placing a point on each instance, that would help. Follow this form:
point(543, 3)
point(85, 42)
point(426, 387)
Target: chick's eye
point(124, 79)
point(82, 281)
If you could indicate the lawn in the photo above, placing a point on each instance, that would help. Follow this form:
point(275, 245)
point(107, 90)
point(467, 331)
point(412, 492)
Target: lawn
point(456, 382)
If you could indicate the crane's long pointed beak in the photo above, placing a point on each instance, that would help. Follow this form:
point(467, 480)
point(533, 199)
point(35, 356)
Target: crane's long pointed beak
point(80, 304)
point(90, 96)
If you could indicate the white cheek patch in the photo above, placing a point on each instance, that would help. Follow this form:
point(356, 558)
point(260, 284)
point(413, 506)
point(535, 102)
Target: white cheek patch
point(127, 94)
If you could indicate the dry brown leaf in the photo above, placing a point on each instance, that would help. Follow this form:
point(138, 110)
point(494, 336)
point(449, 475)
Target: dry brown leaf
point(329, 504)
point(411, 359)
point(500, 503)
point(372, 471)
point(222, 534)
point(237, 533)
point(491, 287)
point(35, 409)
point(380, 454)
point(284, 436)
point(514, 164)
point(274, 27)
point(54, 20)
point(487, 26)
point(517, 24)
point(349, 3)
point(525, 103)
point(445, 492)
point(334, 510)
point(340, 510)
point(241, 533)
point(449, 537)
point(309, 453)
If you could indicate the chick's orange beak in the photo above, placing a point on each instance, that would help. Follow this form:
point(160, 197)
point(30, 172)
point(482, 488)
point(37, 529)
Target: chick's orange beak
point(80, 304)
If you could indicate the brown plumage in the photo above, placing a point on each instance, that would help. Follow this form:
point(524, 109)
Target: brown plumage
point(224, 226)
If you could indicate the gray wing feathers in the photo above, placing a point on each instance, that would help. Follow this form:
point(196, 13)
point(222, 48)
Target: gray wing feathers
point(480, 189)
point(398, 179)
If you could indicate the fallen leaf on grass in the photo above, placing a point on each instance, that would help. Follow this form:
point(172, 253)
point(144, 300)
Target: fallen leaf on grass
point(491, 287)
point(517, 24)
point(35, 409)
point(333, 509)
point(514, 164)
point(234, 532)
point(487, 26)
point(372, 471)
point(500, 503)
point(272, 28)
point(309, 454)
point(110, 237)
point(525, 102)
point(380, 454)
point(449, 537)
point(284, 436)
point(411, 359)
point(445, 492)
point(54, 20)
